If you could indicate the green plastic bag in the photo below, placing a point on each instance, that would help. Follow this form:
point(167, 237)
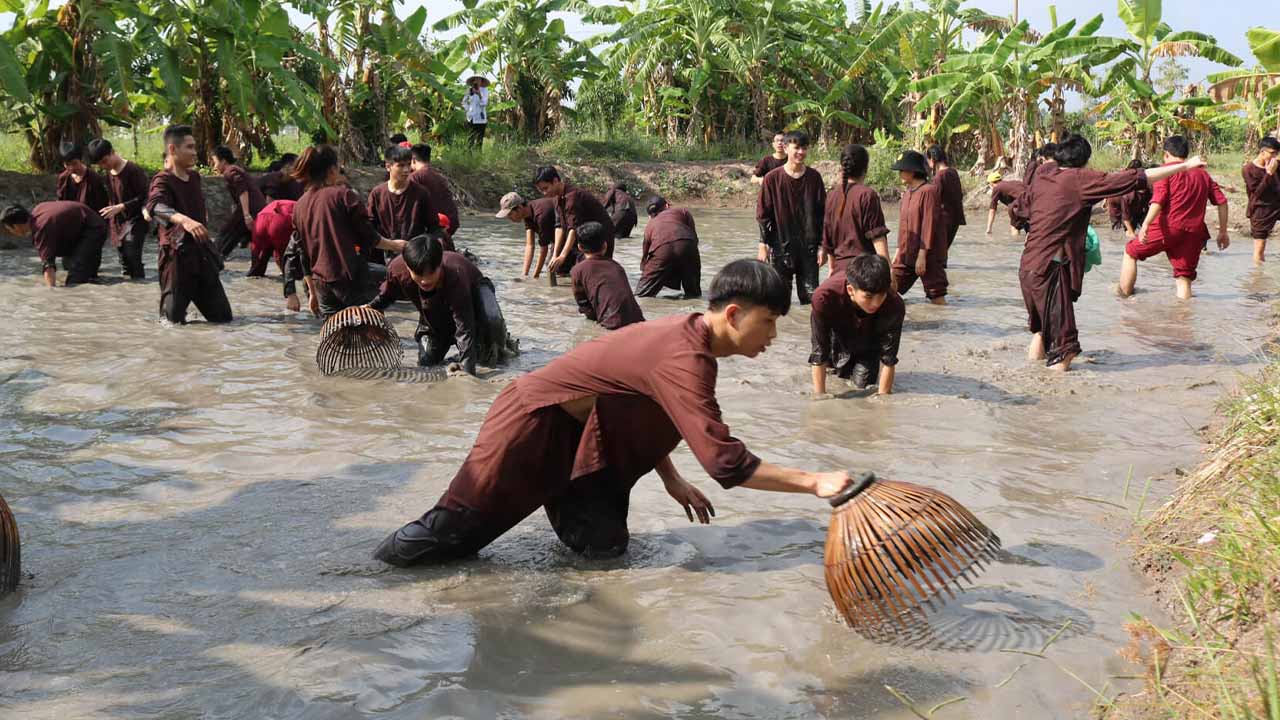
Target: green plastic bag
point(1092, 250)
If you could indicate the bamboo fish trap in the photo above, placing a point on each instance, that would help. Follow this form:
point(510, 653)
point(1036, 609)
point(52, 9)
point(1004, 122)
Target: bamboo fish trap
point(893, 549)
point(357, 338)
point(10, 551)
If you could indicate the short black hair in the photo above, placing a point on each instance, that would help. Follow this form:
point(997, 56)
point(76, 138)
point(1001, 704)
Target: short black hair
point(397, 154)
point(397, 139)
point(591, 237)
point(280, 163)
point(656, 204)
point(223, 153)
point(1048, 150)
point(15, 215)
point(937, 154)
point(1136, 164)
point(869, 273)
point(1269, 143)
point(546, 173)
point(421, 152)
point(799, 138)
point(1073, 152)
point(423, 254)
point(99, 148)
point(70, 150)
point(175, 134)
point(749, 283)
point(1177, 146)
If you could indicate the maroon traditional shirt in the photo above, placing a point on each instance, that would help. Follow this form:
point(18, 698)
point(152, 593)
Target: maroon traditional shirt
point(667, 227)
point(450, 309)
point(91, 190)
point(790, 210)
point(129, 188)
point(767, 164)
point(57, 225)
point(603, 293)
point(1264, 193)
point(577, 207)
point(238, 182)
point(185, 197)
point(542, 220)
point(835, 316)
point(405, 215)
point(441, 196)
point(920, 218)
point(952, 193)
point(853, 221)
point(331, 222)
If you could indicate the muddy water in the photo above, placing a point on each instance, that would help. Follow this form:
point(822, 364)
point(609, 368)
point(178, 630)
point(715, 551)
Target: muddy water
point(198, 506)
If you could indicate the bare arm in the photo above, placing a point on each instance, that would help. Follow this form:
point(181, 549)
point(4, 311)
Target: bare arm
point(887, 374)
point(528, 252)
point(50, 277)
point(1165, 171)
point(689, 497)
point(244, 206)
point(776, 478)
point(819, 380)
point(1224, 237)
point(991, 219)
point(881, 245)
point(1152, 213)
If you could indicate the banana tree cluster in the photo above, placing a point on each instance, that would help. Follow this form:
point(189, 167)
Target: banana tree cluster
point(1256, 92)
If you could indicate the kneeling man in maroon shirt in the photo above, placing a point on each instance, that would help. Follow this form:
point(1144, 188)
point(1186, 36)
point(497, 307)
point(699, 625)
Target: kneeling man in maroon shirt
point(600, 285)
point(576, 435)
point(856, 324)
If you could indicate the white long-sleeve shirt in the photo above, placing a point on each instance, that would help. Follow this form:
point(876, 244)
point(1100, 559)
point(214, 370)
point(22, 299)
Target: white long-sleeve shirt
point(475, 105)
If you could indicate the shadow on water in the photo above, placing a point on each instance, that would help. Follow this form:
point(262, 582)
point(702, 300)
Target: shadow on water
point(929, 383)
point(1047, 554)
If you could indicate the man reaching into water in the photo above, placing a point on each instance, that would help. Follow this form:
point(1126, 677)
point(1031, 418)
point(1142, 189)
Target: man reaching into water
point(576, 435)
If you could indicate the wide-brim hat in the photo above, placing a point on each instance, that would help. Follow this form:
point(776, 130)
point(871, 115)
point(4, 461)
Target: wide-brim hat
point(912, 161)
point(484, 81)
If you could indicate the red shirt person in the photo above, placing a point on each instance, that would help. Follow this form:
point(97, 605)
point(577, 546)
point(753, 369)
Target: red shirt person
point(856, 325)
point(1262, 184)
point(790, 211)
point(922, 232)
point(600, 285)
point(63, 229)
point(1057, 205)
point(456, 305)
point(1175, 223)
point(853, 222)
point(576, 435)
point(188, 263)
point(272, 229)
point(669, 257)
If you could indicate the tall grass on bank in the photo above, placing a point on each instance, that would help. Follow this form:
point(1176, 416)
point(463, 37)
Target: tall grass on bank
point(1223, 528)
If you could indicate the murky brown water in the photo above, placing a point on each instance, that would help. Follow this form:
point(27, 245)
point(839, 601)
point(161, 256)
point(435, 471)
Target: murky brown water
point(198, 506)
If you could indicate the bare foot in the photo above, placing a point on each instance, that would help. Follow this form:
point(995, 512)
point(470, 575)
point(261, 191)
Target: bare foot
point(1035, 351)
point(938, 300)
point(1064, 365)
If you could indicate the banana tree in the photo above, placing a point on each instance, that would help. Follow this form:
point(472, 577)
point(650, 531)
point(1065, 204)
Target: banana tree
point(1258, 90)
point(826, 112)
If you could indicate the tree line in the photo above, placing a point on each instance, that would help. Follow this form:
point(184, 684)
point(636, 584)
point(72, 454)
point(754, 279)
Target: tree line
point(352, 72)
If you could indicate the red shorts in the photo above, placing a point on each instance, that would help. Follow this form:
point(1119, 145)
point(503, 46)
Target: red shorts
point(1183, 251)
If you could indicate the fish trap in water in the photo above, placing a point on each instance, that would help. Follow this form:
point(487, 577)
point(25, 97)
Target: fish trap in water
point(894, 549)
point(10, 550)
point(357, 338)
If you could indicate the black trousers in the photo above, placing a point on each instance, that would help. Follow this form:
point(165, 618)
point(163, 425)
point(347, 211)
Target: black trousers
point(489, 339)
point(677, 266)
point(234, 233)
point(85, 258)
point(799, 266)
point(477, 133)
point(189, 274)
point(132, 236)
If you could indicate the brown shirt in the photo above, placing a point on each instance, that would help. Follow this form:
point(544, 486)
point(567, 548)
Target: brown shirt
point(767, 164)
point(619, 204)
point(278, 185)
point(952, 193)
point(450, 310)
point(542, 220)
point(331, 222)
point(578, 207)
point(441, 196)
point(852, 221)
point(1032, 167)
point(129, 188)
point(57, 225)
point(238, 182)
point(186, 198)
point(1007, 192)
point(920, 222)
point(1264, 193)
point(669, 394)
point(91, 190)
point(403, 216)
point(667, 227)
point(790, 211)
point(835, 316)
point(1057, 205)
point(604, 294)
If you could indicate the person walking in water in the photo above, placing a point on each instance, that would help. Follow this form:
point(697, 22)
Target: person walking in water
point(949, 190)
point(127, 185)
point(1262, 184)
point(790, 211)
point(854, 219)
point(539, 219)
point(922, 232)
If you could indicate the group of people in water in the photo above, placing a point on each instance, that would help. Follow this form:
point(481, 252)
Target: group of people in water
point(574, 436)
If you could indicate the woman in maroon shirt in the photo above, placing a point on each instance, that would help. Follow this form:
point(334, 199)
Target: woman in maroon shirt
point(854, 220)
point(330, 220)
point(949, 189)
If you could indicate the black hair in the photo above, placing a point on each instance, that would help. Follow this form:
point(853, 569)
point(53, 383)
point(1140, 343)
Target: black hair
point(869, 273)
point(591, 237)
point(70, 150)
point(423, 254)
point(799, 138)
point(175, 134)
point(1048, 150)
point(397, 139)
point(621, 186)
point(546, 173)
point(98, 149)
point(1269, 143)
point(1073, 152)
point(750, 283)
point(421, 152)
point(280, 163)
point(397, 154)
point(1177, 146)
point(1136, 164)
point(937, 154)
point(656, 204)
point(854, 160)
point(15, 215)
point(223, 153)
point(312, 167)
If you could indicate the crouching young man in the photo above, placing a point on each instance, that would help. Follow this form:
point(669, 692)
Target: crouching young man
point(576, 435)
point(856, 325)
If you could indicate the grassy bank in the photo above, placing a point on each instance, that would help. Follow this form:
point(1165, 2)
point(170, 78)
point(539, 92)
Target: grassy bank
point(1214, 553)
